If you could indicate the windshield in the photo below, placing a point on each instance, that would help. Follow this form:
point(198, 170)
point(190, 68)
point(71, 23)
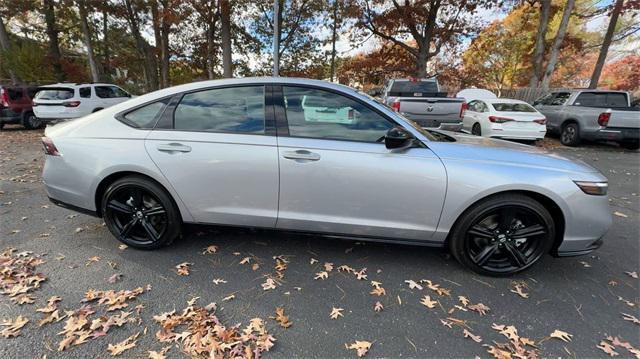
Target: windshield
point(54, 94)
point(512, 107)
point(417, 86)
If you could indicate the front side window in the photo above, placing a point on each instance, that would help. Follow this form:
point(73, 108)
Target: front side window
point(85, 92)
point(559, 99)
point(327, 115)
point(234, 109)
point(110, 92)
point(145, 116)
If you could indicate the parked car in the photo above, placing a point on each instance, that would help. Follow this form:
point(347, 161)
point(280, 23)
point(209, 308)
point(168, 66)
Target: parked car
point(422, 101)
point(70, 100)
point(244, 152)
point(15, 106)
point(504, 118)
point(591, 115)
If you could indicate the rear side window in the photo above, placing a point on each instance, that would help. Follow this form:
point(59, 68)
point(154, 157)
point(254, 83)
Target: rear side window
point(55, 94)
point(145, 116)
point(602, 99)
point(513, 107)
point(234, 109)
point(85, 92)
point(15, 93)
point(110, 92)
point(31, 92)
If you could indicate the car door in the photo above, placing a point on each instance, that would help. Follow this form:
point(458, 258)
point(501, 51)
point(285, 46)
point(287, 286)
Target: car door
point(337, 176)
point(216, 149)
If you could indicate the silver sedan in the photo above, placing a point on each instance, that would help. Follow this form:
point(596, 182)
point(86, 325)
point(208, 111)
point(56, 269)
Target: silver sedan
point(311, 156)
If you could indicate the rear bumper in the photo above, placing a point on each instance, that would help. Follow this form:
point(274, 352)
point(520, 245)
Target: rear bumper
point(446, 124)
point(617, 134)
point(73, 208)
point(580, 252)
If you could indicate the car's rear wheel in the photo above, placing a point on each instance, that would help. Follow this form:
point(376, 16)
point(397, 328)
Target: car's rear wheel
point(140, 213)
point(570, 135)
point(476, 130)
point(502, 235)
point(30, 121)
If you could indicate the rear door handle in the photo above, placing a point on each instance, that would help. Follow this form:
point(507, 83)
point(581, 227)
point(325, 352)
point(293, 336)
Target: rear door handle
point(301, 155)
point(173, 147)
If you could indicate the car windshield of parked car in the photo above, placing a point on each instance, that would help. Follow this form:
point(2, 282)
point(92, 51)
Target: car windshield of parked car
point(414, 87)
point(54, 94)
point(512, 107)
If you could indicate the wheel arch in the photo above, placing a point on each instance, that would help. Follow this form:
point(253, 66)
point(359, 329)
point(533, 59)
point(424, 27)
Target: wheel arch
point(549, 204)
point(568, 121)
point(108, 180)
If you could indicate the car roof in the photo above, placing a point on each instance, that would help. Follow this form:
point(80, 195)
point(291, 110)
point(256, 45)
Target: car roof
point(73, 84)
point(502, 100)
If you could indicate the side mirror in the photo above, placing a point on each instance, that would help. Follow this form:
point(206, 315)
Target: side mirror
point(398, 138)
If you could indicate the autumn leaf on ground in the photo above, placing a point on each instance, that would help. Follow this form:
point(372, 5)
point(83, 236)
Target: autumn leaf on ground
point(427, 302)
point(269, 284)
point(632, 274)
point(519, 288)
point(114, 278)
point(378, 307)
point(12, 326)
point(122, 247)
point(376, 284)
point(413, 284)
point(559, 334)
point(229, 297)
point(361, 274)
point(328, 266)
point(627, 302)
point(183, 268)
point(607, 348)
point(468, 334)
point(620, 214)
point(630, 318)
point(361, 347)
point(436, 288)
point(464, 301)
point(345, 268)
point(479, 308)
point(379, 291)
point(335, 313)
point(210, 249)
point(282, 319)
point(321, 275)
point(159, 355)
point(119, 348)
point(313, 261)
point(446, 323)
point(91, 260)
point(245, 260)
point(218, 281)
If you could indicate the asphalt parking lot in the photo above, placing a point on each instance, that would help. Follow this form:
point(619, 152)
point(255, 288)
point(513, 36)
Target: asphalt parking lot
point(585, 297)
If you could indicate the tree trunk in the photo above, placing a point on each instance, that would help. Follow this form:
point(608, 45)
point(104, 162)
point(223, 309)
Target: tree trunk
point(52, 33)
point(144, 49)
point(165, 29)
point(538, 54)
point(157, 34)
point(225, 34)
point(86, 32)
point(211, 28)
point(595, 78)
point(5, 45)
point(105, 45)
point(421, 61)
point(557, 43)
point(333, 39)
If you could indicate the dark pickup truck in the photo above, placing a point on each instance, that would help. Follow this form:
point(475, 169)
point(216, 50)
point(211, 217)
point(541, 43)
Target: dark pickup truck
point(422, 101)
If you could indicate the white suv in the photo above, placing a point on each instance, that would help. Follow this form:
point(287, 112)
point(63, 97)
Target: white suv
point(70, 100)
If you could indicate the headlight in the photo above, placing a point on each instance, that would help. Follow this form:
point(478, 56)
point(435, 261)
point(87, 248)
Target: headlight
point(593, 188)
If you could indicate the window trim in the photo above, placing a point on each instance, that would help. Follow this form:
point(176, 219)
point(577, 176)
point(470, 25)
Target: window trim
point(283, 124)
point(120, 116)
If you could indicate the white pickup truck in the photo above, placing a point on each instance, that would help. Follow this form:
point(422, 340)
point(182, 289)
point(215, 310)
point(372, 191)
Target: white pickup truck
point(422, 101)
point(596, 115)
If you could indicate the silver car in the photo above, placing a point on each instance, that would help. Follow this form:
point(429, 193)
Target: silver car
point(311, 156)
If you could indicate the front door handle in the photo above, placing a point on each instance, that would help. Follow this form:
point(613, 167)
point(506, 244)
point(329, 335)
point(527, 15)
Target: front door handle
point(301, 155)
point(173, 147)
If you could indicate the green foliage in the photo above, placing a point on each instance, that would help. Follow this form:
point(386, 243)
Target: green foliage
point(29, 62)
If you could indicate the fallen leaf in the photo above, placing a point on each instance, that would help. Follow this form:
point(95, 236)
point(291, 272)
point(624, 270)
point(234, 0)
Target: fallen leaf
point(630, 318)
point(282, 319)
point(413, 285)
point(464, 301)
point(335, 313)
point(183, 268)
point(122, 247)
point(378, 307)
point(519, 289)
point(119, 348)
point(361, 274)
point(427, 302)
point(632, 274)
point(468, 334)
point(313, 261)
point(607, 348)
point(559, 334)
point(321, 275)
point(218, 281)
point(79, 229)
point(379, 291)
point(229, 297)
point(91, 260)
point(114, 278)
point(159, 355)
point(245, 260)
point(479, 308)
point(210, 249)
point(269, 284)
point(12, 326)
point(328, 266)
point(620, 214)
point(361, 347)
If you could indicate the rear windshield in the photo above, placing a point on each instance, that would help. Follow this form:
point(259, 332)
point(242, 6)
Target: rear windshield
point(512, 107)
point(602, 99)
point(55, 94)
point(414, 87)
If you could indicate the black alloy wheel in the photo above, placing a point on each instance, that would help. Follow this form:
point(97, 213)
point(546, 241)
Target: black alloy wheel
point(504, 235)
point(140, 214)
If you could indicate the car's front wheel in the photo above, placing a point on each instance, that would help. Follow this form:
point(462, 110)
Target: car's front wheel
point(140, 213)
point(502, 235)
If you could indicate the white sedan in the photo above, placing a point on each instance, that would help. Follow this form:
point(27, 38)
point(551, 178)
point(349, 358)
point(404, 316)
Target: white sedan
point(504, 118)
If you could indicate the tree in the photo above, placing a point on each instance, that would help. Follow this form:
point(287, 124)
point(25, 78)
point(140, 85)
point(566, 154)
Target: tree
point(557, 43)
point(84, 22)
point(48, 10)
point(538, 53)
point(225, 32)
point(5, 45)
point(430, 24)
point(144, 49)
point(622, 74)
point(608, 37)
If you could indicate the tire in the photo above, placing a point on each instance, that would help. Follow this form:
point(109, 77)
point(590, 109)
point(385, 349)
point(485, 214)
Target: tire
point(631, 145)
point(1, 125)
point(140, 213)
point(513, 245)
point(476, 129)
point(31, 122)
point(570, 134)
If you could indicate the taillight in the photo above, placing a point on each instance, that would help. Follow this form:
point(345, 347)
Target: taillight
point(541, 121)
point(4, 97)
point(49, 148)
point(463, 109)
point(497, 119)
point(71, 103)
point(396, 105)
point(603, 119)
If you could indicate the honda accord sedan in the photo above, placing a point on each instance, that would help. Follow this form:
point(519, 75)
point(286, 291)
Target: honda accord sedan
point(316, 157)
